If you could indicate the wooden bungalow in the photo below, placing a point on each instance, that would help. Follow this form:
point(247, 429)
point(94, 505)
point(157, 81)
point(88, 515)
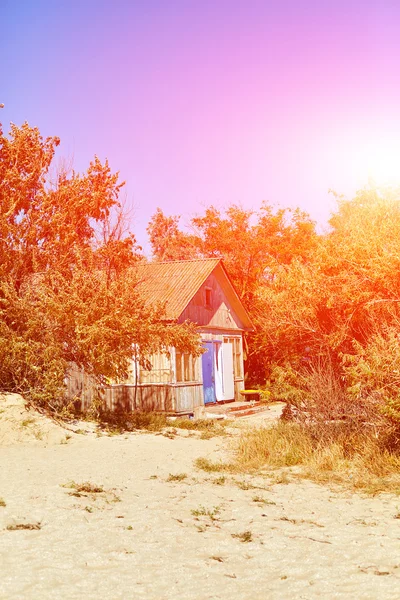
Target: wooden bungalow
point(199, 291)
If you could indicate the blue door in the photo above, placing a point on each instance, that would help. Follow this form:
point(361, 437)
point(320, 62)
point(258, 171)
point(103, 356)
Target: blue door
point(208, 373)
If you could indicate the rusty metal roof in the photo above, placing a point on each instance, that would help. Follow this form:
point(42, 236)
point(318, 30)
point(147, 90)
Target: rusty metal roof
point(174, 282)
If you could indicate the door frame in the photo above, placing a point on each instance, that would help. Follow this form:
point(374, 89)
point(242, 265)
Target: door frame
point(208, 372)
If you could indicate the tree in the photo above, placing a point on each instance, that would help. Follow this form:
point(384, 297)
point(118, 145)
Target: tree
point(167, 241)
point(252, 244)
point(256, 248)
point(335, 320)
point(68, 281)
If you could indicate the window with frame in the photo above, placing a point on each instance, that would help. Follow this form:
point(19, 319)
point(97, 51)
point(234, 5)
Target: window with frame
point(208, 297)
point(186, 367)
point(237, 354)
point(159, 371)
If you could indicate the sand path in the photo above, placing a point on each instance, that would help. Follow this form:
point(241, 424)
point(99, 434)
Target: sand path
point(146, 537)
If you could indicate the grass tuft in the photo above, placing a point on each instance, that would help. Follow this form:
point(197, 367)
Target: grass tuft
point(262, 500)
point(177, 477)
point(210, 467)
point(85, 488)
point(27, 422)
point(206, 512)
point(219, 480)
point(245, 536)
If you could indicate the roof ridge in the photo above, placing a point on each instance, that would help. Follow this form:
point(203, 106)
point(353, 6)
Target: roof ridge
point(183, 260)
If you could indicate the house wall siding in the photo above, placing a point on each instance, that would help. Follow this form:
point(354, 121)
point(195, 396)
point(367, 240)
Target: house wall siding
point(144, 397)
point(220, 313)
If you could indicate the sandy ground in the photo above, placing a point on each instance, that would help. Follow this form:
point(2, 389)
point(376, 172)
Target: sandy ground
point(147, 537)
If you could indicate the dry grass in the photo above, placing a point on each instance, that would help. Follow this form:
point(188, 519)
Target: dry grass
point(199, 424)
point(91, 491)
point(245, 536)
point(206, 512)
point(219, 480)
point(284, 445)
point(211, 467)
point(209, 428)
point(354, 461)
point(117, 423)
point(22, 526)
point(176, 477)
point(84, 488)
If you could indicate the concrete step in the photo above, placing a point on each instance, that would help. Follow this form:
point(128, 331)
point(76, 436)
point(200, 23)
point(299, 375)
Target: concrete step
point(237, 412)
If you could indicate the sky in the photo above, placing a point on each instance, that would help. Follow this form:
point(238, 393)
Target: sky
point(212, 102)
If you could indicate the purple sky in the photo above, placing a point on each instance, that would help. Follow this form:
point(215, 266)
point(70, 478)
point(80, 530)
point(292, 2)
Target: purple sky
point(211, 102)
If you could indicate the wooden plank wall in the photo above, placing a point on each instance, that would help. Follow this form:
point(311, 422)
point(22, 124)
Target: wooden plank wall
point(149, 397)
point(188, 397)
point(146, 398)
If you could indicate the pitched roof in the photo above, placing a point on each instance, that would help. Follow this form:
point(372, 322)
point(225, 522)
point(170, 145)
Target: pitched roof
point(174, 282)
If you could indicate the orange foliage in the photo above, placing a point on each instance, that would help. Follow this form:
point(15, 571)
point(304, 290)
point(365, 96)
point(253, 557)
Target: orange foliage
point(67, 277)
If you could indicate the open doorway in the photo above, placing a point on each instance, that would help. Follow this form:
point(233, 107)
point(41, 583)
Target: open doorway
point(218, 372)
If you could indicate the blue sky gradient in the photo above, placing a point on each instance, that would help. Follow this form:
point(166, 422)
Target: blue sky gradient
point(213, 102)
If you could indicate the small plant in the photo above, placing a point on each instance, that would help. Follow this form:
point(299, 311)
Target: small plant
point(91, 491)
point(261, 500)
point(27, 422)
point(2, 502)
point(265, 396)
point(219, 480)
point(244, 537)
point(245, 485)
point(89, 509)
point(176, 477)
point(83, 489)
point(88, 488)
point(217, 558)
point(205, 512)
point(129, 528)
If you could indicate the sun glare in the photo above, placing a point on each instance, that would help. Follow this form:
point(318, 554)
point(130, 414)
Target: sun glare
point(382, 164)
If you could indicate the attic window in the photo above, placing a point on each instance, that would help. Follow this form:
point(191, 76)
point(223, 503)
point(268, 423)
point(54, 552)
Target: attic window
point(208, 296)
